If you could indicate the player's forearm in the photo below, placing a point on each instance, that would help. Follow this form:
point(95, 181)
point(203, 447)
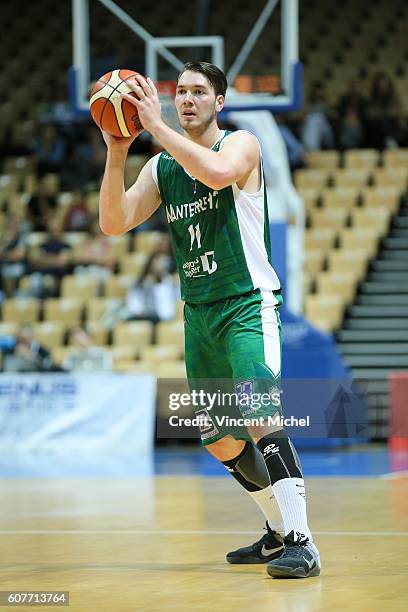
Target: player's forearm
point(113, 210)
point(203, 163)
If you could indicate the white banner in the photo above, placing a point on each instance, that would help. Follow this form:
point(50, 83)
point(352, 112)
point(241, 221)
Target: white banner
point(81, 413)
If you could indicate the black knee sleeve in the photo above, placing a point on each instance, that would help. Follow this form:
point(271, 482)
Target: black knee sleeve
point(280, 456)
point(249, 469)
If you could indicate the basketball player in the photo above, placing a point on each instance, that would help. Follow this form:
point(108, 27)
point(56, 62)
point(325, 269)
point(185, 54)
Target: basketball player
point(210, 183)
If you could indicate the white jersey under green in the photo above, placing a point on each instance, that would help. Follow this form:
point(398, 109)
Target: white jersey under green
point(221, 239)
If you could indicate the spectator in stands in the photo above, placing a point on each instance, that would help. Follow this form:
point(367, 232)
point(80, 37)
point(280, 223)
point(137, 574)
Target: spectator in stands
point(13, 255)
point(53, 259)
point(73, 174)
point(40, 206)
point(78, 216)
point(95, 255)
point(317, 132)
point(49, 147)
point(156, 293)
point(351, 117)
point(92, 154)
point(27, 355)
point(383, 113)
point(156, 223)
point(295, 149)
point(87, 356)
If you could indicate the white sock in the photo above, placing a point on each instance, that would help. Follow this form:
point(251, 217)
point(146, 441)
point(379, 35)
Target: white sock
point(290, 495)
point(267, 503)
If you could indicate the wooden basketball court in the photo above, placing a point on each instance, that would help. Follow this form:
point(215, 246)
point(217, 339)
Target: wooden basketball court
point(158, 543)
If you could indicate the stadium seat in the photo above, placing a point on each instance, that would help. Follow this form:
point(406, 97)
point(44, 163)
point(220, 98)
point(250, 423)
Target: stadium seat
point(340, 198)
point(311, 179)
point(20, 310)
point(132, 263)
point(396, 158)
point(389, 197)
point(160, 353)
point(50, 334)
point(117, 286)
point(148, 242)
point(324, 311)
point(7, 328)
point(79, 286)
point(339, 284)
point(354, 238)
point(97, 308)
point(352, 178)
point(130, 366)
point(171, 369)
point(119, 245)
point(135, 333)
point(310, 198)
point(392, 177)
point(98, 332)
point(326, 218)
point(321, 239)
point(60, 353)
point(378, 218)
point(170, 332)
point(63, 310)
point(314, 260)
point(341, 260)
point(123, 352)
point(323, 159)
point(179, 310)
point(361, 158)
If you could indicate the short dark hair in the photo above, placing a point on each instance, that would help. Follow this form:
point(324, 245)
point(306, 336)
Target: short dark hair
point(214, 75)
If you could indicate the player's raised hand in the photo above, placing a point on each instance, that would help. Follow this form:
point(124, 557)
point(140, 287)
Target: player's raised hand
point(114, 143)
point(147, 102)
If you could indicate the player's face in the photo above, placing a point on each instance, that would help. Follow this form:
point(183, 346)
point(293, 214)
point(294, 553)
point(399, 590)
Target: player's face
point(196, 102)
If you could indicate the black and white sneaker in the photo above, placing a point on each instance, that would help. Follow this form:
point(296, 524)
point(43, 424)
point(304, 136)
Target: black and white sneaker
point(269, 547)
point(301, 559)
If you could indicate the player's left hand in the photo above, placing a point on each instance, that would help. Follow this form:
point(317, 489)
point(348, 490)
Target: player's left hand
point(147, 102)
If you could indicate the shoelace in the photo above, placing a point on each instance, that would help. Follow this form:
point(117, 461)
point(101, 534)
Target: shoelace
point(300, 543)
point(269, 534)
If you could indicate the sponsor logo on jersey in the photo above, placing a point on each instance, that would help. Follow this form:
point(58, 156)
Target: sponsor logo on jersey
point(189, 209)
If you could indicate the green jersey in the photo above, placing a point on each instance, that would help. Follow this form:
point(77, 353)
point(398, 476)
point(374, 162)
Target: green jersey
point(220, 238)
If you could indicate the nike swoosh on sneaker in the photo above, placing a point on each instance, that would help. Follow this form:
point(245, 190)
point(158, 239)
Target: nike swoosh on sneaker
point(269, 551)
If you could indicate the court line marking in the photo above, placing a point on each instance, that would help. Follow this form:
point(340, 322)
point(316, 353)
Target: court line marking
point(186, 532)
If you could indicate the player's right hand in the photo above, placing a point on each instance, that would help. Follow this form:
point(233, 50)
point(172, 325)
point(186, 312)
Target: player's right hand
point(114, 143)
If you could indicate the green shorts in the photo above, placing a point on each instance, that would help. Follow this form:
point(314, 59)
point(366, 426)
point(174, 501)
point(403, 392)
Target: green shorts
point(233, 359)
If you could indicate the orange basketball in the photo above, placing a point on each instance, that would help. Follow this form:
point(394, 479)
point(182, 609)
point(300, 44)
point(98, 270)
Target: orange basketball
point(109, 110)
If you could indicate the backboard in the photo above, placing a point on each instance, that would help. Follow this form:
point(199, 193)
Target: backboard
point(277, 86)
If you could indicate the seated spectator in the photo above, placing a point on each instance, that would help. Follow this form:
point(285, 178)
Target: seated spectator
point(13, 255)
point(351, 117)
point(53, 259)
point(77, 217)
point(27, 355)
point(155, 294)
point(40, 206)
point(317, 132)
point(383, 113)
point(95, 256)
point(92, 154)
point(87, 356)
point(49, 147)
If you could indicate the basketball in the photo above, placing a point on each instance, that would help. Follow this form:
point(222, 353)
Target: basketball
point(109, 110)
